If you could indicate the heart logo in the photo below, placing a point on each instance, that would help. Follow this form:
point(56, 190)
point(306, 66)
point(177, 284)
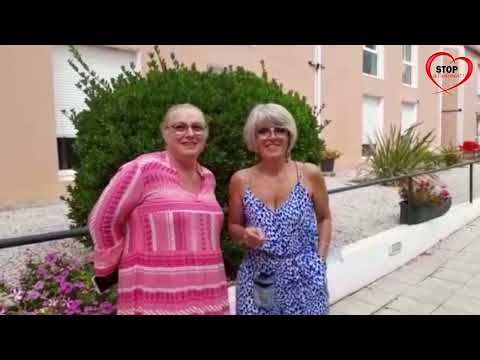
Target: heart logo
point(432, 58)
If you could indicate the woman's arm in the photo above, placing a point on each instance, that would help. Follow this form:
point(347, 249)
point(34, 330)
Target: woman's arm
point(107, 220)
point(316, 183)
point(249, 236)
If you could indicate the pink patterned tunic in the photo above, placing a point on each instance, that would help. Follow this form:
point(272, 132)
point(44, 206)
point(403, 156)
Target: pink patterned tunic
point(164, 239)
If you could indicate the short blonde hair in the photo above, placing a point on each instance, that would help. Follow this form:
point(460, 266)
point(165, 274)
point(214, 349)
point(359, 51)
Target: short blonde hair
point(273, 113)
point(175, 109)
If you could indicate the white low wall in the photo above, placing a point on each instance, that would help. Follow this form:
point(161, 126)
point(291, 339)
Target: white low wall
point(371, 258)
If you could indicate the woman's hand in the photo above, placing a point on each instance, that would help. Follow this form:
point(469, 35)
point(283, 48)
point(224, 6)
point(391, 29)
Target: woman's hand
point(250, 236)
point(322, 255)
point(253, 237)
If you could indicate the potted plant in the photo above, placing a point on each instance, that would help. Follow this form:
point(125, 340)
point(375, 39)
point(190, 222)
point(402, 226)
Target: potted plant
point(427, 201)
point(470, 149)
point(450, 155)
point(328, 159)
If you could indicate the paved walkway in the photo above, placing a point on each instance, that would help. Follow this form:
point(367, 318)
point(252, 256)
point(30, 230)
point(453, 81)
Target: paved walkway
point(443, 281)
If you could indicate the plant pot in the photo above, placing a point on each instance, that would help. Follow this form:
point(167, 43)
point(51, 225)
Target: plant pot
point(418, 214)
point(327, 165)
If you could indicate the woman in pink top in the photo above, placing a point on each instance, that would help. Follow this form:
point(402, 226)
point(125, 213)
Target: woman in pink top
point(158, 224)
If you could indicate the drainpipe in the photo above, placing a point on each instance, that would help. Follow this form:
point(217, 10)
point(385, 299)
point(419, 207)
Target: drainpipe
point(460, 96)
point(461, 104)
point(317, 62)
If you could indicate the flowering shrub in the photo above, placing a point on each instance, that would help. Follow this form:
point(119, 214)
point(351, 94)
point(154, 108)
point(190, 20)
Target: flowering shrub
point(469, 146)
point(330, 154)
point(60, 285)
point(3, 292)
point(426, 191)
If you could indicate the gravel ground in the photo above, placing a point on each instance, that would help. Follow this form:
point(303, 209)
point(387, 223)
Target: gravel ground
point(361, 213)
point(356, 214)
point(34, 220)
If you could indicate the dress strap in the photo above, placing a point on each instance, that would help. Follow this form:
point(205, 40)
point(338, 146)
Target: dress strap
point(249, 181)
point(299, 171)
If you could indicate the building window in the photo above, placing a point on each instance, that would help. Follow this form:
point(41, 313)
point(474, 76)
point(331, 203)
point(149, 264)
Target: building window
point(66, 157)
point(106, 62)
point(372, 123)
point(373, 60)
point(409, 115)
point(409, 65)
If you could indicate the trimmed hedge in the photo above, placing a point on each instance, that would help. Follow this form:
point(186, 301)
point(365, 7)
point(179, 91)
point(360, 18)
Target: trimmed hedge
point(123, 116)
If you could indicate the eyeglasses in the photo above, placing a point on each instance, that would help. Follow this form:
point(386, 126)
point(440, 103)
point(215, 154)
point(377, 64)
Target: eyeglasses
point(182, 128)
point(265, 132)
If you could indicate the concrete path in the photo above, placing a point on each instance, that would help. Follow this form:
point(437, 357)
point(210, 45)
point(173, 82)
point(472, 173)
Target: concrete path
point(443, 281)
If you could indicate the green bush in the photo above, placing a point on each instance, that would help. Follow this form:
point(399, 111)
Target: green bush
point(123, 115)
point(396, 154)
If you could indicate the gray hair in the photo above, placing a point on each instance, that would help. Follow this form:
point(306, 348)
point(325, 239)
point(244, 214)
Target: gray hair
point(175, 109)
point(273, 113)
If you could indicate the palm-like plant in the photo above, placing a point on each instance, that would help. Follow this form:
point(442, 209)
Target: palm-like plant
point(398, 153)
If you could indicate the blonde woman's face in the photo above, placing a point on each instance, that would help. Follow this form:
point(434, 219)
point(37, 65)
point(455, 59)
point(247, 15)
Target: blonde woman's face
point(271, 139)
point(186, 133)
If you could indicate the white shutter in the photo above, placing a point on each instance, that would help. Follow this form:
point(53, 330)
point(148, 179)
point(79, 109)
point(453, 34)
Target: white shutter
point(409, 115)
point(372, 119)
point(105, 61)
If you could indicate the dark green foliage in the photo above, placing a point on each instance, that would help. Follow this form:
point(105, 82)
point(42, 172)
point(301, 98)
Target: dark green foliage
point(123, 116)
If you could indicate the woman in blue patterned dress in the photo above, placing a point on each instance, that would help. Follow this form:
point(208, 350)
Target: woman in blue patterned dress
point(279, 209)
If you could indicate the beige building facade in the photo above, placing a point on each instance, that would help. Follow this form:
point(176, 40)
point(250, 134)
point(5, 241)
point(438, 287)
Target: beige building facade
point(365, 89)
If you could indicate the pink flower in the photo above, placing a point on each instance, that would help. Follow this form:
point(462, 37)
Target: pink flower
point(66, 287)
point(73, 307)
point(33, 295)
point(2, 311)
point(42, 272)
point(80, 285)
point(51, 258)
point(90, 310)
point(60, 278)
point(18, 295)
point(106, 307)
point(39, 285)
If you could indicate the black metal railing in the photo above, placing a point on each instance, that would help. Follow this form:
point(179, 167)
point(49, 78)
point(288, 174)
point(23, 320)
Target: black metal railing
point(39, 238)
point(83, 231)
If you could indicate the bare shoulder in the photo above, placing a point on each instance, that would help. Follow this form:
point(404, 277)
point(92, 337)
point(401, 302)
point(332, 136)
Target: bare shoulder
point(240, 175)
point(314, 179)
point(239, 179)
point(312, 172)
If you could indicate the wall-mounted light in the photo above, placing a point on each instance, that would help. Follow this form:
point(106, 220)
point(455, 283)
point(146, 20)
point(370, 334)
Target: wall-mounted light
point(316, 66)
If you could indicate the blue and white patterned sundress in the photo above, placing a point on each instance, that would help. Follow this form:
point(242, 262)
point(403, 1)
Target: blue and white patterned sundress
point(291, 233)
